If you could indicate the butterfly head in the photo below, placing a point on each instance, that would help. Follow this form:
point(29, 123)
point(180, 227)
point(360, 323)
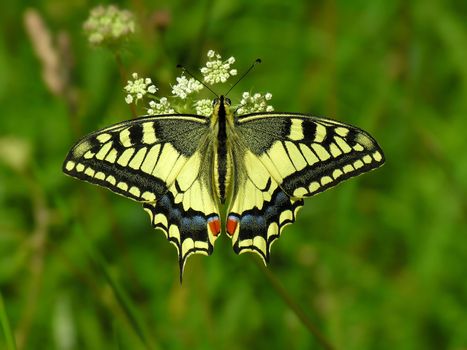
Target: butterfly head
point(221, 100)
point(221, 106)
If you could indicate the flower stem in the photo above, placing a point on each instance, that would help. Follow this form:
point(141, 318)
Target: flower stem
point(124, 77)
point(9, 337)
point(279, 288)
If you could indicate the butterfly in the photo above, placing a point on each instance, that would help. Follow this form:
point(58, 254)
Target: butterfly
point(183, 168)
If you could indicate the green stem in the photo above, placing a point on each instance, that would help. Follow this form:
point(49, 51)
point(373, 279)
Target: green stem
point(123, 78)
point(10, 340)
point(279, 288)
point(122, 299)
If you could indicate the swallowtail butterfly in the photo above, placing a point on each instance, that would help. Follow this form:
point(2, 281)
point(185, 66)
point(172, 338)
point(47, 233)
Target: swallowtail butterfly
point(184, 167)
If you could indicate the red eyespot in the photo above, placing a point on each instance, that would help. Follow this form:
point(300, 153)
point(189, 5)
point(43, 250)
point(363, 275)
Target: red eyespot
point(232, 222)
point(214, 225)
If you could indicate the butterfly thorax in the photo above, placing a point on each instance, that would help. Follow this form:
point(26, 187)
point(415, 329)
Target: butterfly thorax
point(221, 116)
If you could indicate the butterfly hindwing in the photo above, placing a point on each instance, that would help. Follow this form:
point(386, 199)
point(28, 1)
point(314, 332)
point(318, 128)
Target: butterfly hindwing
point(297, 156)
point(157, 161)
point(259, 209)
point(185, 212)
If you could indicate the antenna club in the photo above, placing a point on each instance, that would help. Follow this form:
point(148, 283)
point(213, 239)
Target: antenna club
point(258, 60)
point(180, 66)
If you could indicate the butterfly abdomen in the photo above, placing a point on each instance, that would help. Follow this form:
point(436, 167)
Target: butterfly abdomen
point(221, 153)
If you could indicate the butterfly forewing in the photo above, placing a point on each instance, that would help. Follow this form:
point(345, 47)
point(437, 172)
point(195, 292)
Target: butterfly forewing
point(308, 155)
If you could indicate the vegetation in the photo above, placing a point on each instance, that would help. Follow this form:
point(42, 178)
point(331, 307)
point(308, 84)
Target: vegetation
point(377, 263)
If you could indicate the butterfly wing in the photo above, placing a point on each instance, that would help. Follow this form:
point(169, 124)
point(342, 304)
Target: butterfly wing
point(162, 162)
point(282, 158)
point(259, 208)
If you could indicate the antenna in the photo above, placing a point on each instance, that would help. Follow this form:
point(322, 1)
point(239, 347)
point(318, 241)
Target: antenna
point(258, 60)
point(199, 81)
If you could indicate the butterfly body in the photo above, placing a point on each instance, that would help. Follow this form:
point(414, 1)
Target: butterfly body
point(222, 121)
point(184, 167)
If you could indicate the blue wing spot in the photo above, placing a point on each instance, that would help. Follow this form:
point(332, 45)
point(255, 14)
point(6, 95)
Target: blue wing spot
point(255, 222)
point(191, 223)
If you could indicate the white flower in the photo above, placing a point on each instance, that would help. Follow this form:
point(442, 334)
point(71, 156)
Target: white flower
point(204, 107)
point(137, 88)
point(216, 70)
point(161, 107)
point(107, 25)
point(255, 103)
point(185, 86)
point(183, 98)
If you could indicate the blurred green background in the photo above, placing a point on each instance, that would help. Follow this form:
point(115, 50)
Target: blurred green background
point(377, 263)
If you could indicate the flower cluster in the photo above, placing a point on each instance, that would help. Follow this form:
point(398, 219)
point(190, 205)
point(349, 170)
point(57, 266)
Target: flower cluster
point(185, 86)
point(108, 25)
point(183, 98)
point(138, 87)
point(161, 107)
point(203, 107)
point(216, 70)
point(255, 103)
